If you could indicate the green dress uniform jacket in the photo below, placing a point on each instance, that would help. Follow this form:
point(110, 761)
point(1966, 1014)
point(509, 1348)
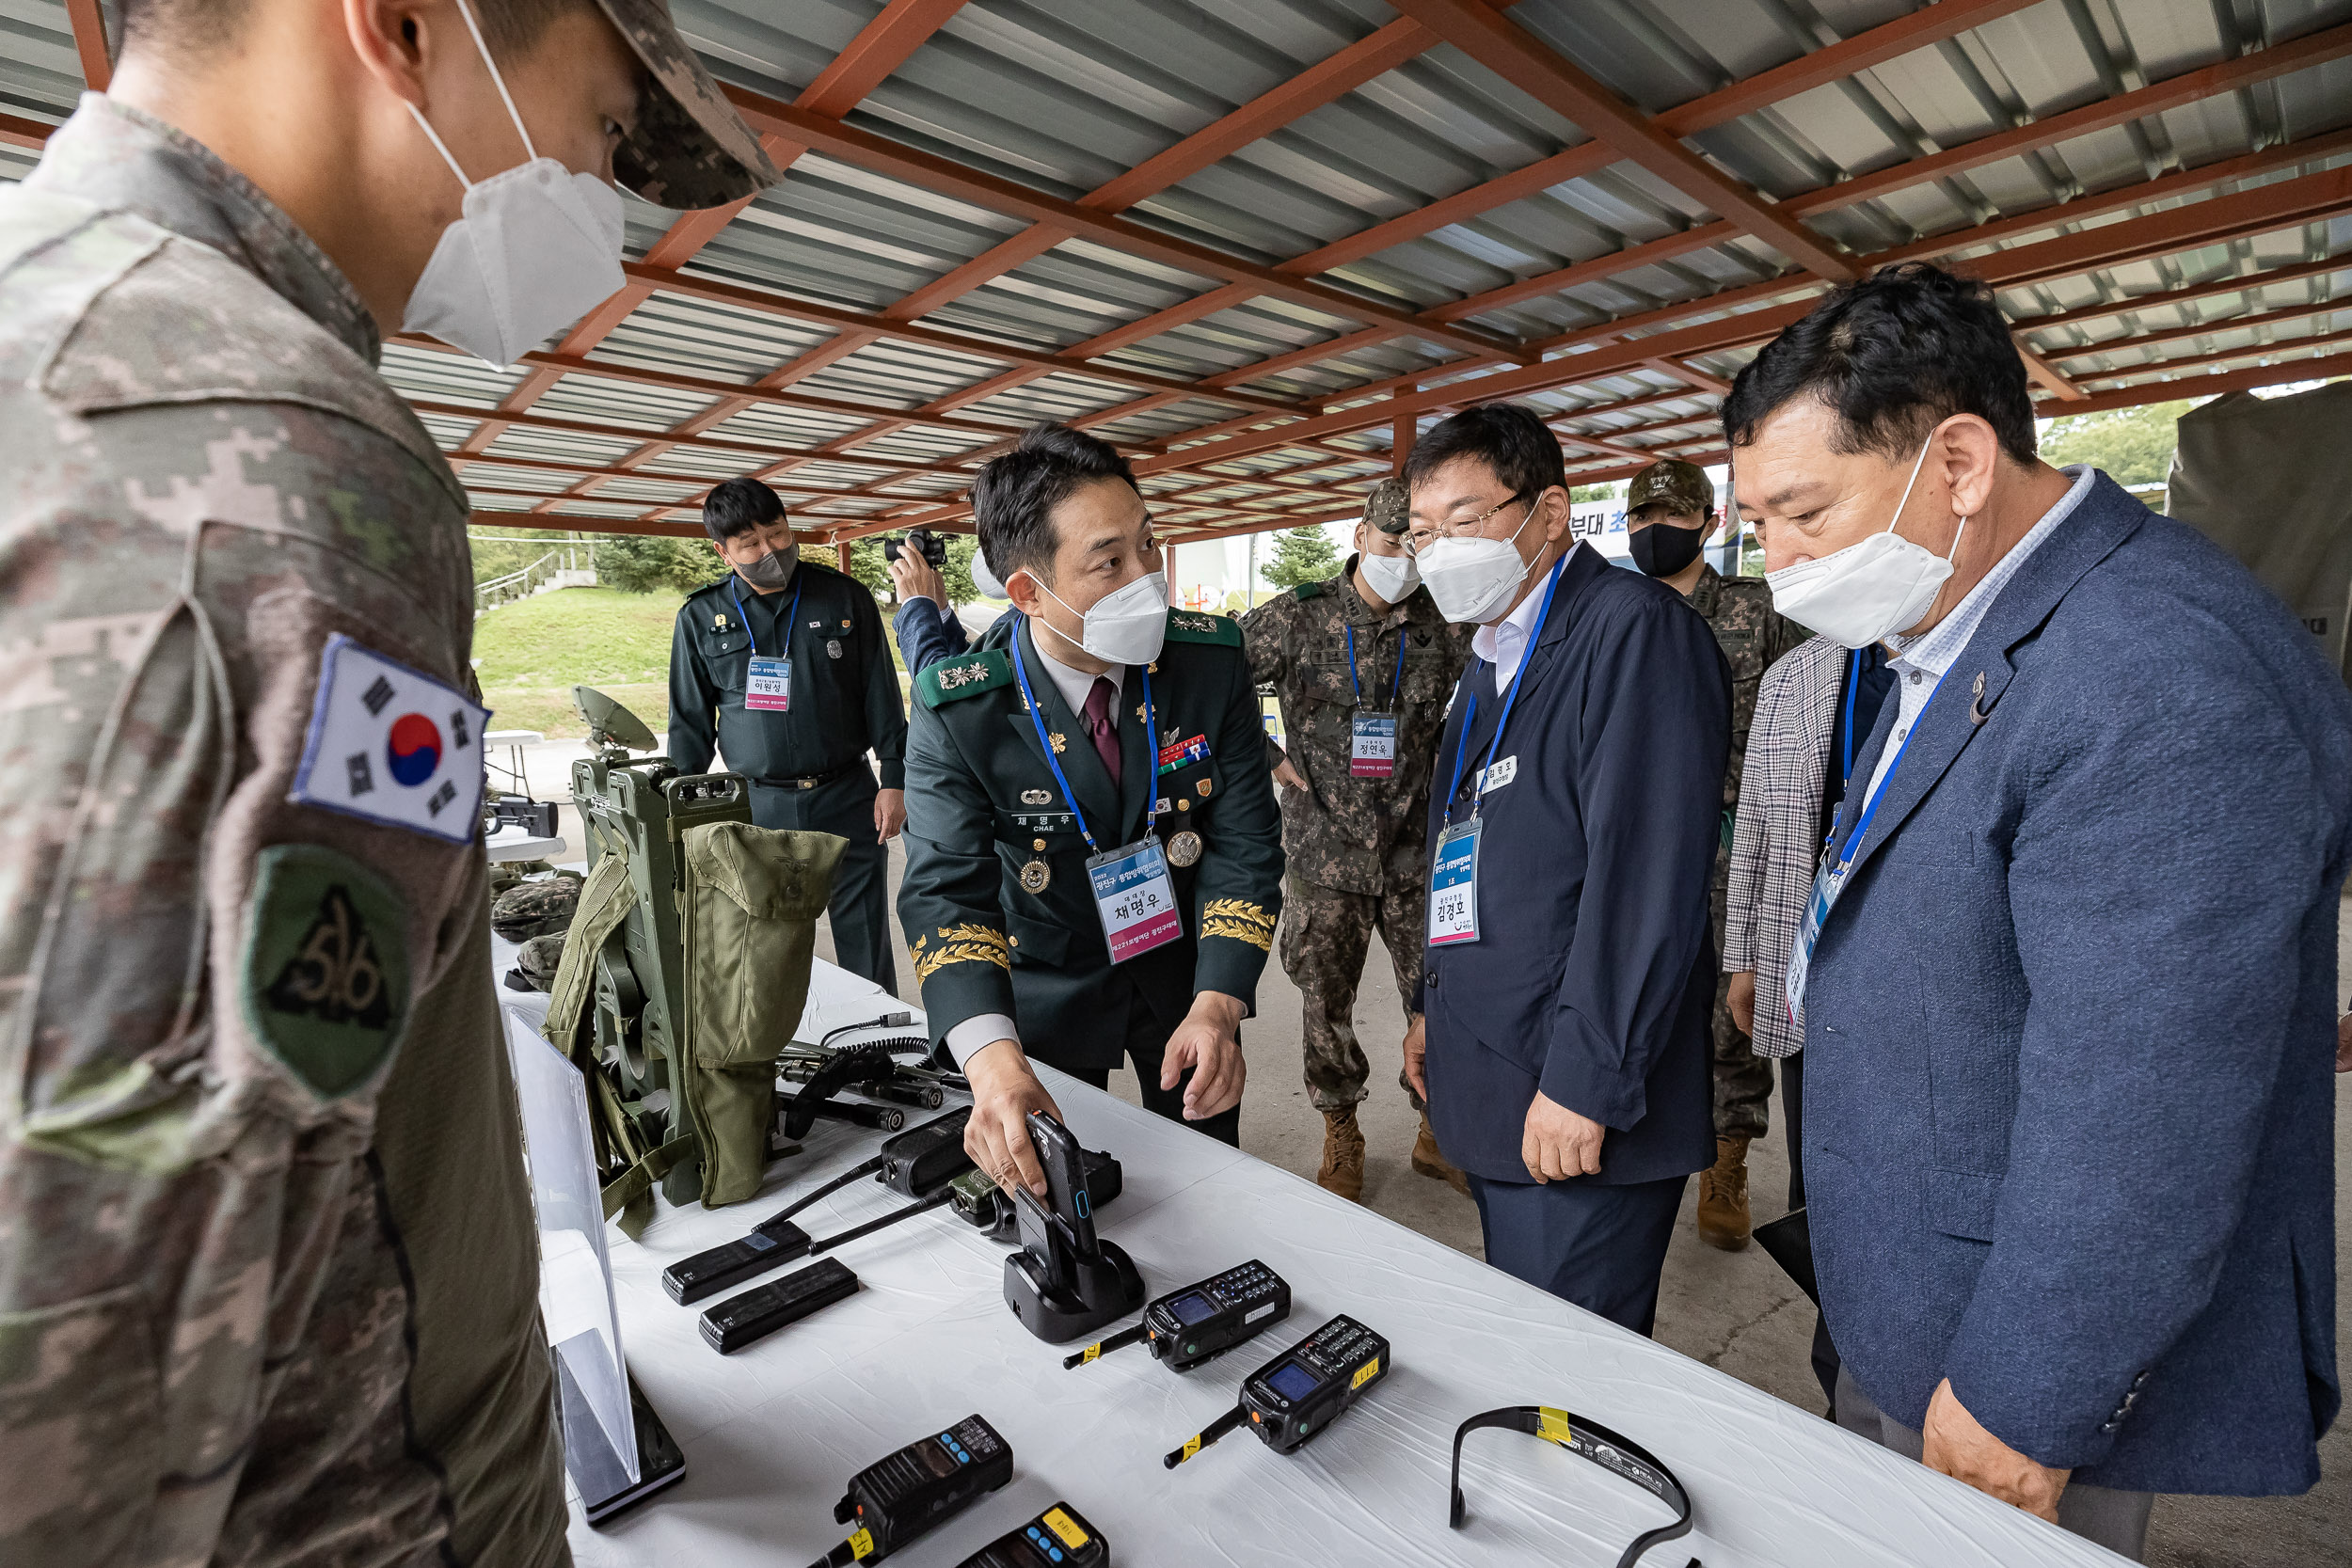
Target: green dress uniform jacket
point(844, 688)
point(996, 903)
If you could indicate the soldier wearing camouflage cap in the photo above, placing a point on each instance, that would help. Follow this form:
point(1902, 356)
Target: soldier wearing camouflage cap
point(1360, 662)
point(1669, 513)
point(270, 1291)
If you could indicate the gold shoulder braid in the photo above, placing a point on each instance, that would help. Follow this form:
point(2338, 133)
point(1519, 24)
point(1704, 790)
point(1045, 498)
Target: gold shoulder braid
point(959, 945)
point(1239, 919)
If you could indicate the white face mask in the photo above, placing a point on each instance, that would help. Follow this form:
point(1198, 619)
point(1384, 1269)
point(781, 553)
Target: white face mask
point(1391, 577)
point(1472, 579)
point(537, 249)
point(1869, 590)
point(984, 580)
point(1127, 625)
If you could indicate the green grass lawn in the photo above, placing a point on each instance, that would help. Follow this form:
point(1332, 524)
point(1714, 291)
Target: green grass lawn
point(530, 654)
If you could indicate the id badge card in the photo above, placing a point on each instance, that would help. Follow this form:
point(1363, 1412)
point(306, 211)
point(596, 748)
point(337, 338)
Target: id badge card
point(1372, 753)
point(1135, 899)
point(769, 688)
point(1453, 885)
point(1825, 885)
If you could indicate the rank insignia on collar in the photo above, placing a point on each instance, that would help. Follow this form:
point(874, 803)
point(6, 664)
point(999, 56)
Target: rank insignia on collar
point(1036, 797)
point(1060, 743)
point(960, 674)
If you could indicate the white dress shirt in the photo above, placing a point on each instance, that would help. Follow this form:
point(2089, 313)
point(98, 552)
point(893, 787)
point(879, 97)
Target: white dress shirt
point(1504, 644)
point(1075, 687)
point(1920, 661)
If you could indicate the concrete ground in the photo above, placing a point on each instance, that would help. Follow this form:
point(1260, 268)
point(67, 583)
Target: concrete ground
point(1735, 1311)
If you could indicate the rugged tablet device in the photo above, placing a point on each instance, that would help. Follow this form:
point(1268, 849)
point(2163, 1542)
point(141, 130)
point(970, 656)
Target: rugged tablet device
point(1302, 1390)
point(1202, 1322)
point(896, 1499)
point(1057, 1538)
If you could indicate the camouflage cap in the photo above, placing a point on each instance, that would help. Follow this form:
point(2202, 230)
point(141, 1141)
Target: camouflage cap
point(690, 148)
point(1672, 484)
point(536, 909)
point(1386, 507)
point(539, 961)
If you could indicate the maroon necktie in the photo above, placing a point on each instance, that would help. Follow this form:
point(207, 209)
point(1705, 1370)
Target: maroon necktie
point(1098, 722)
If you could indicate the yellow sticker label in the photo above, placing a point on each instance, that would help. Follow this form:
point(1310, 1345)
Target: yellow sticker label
point(1092, 1352)
point(860, 1544)
point(1552, 1425)
point(1192, 1446)
point(1064, 1525)
point(1365, 1373)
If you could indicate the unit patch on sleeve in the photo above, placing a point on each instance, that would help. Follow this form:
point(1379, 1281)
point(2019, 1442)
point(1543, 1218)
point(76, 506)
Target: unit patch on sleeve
point(325, 972)
point(392, 745)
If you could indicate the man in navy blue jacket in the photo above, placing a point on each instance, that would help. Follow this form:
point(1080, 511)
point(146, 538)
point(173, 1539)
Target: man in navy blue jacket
point(2068, 979)
point(1568, 976)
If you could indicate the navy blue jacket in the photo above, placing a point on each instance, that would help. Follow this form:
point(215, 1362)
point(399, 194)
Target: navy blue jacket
point(1594, 975)
point(2069, 1101)
point(926, 634)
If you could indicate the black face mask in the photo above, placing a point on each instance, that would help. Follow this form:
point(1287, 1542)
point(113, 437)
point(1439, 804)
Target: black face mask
point(1662, 549)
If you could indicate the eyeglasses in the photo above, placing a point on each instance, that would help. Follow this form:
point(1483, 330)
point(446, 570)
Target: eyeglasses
point(1415, 542)
point(1620, 1456)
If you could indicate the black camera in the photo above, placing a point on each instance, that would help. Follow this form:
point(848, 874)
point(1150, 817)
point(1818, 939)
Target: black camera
point(931, 546)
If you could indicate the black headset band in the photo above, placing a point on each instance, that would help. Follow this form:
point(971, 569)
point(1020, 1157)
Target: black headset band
point(1588, 1440)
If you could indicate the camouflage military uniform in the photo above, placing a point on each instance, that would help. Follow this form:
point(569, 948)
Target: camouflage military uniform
point(267, 1264)
point(1356, 848)
point(1752, 635)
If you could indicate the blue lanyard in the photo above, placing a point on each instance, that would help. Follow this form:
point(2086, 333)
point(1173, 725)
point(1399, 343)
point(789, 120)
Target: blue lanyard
point(1853, 682)
point(790, 618)
point(1469, 715)
point(1870, 807)
point(1037, 718)
point(1394, 686)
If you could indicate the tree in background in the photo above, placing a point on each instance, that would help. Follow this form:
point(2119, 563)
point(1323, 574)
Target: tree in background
point(1609, 492)
point(869, 564)
point(644, 564)
point(1302, 555)
point(2133, 444)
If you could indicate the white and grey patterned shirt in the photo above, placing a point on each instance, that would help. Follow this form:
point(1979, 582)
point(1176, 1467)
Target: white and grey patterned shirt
point(1919, 662)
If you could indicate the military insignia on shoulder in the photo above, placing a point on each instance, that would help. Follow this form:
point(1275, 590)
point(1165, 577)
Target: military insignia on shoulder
point(1306, 590)
point(953, 678)
point(1186, 626)
point(325, 972)
point(391, 745)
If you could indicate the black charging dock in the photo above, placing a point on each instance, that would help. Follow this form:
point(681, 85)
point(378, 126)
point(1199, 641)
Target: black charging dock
point(1065, 1281)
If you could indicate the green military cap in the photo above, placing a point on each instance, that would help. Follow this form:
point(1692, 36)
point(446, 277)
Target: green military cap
point(690, 149)
point(1385, 508)
point(1672, 484)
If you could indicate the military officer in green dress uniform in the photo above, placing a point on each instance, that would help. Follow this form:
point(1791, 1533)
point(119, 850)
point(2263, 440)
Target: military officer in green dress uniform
point(780, 666)
point(1094, 855)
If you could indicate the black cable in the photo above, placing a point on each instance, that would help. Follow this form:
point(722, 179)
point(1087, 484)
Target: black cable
point(826, 1244)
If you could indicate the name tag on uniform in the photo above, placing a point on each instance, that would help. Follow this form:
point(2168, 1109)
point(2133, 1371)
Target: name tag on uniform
point(1135, 899)
point(392, 745)
point(1491, 779)
point(1372, 753)
point(1453, 885)
point(769, 688)
point(1825, 885)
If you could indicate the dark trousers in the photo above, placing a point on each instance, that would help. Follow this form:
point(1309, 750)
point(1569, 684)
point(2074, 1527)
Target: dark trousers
point(1601, 1247)
point(1792, 1111)
point(859, 909)
point(1147, 1047)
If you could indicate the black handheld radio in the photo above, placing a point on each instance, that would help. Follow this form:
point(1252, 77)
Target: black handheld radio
point(1302, 1390)
point(1057, 1538)
point(900, 1495)
point(981, 1204)
point(1202, 1322)
point(1065, 1279)
point(919, 1162)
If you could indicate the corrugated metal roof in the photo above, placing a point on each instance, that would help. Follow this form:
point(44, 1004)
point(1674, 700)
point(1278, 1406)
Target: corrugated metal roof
point(1068, 97)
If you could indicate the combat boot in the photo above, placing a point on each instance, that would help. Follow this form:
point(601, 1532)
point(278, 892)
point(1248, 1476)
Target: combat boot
point(1343, 1169)
point(1724, 1196)
point(1428, 1162)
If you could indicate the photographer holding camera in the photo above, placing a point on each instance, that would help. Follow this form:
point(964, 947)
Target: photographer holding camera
point(926, 625)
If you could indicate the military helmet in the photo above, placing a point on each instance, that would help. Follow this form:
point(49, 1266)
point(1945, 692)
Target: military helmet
point(1387, 508)
point(537, 908)
point(1671, 482)
point(539, 959)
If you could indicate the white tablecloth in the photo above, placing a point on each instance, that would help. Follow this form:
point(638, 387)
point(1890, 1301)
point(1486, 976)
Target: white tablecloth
point(772, 1434)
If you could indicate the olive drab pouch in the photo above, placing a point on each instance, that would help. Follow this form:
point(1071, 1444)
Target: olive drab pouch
point(748, 923)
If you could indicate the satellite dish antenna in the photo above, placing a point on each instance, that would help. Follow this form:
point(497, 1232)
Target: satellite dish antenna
point(611, 725)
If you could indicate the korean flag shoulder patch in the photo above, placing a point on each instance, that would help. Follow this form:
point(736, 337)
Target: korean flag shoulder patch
point(392, 745)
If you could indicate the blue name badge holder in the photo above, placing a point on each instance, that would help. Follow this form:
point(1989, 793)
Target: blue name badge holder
point(1134, 897)
point(1371, 744)
point(1454, 863)
point(768, 684)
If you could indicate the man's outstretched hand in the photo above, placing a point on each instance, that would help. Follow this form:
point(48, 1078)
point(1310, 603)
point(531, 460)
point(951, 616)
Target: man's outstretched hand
point(1209, 1039)
point(1004, 1091)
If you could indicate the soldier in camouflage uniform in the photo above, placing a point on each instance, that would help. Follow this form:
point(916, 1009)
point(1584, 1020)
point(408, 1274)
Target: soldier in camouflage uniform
point(1355, 830)
point(268, 1275)
point(1669, 510)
